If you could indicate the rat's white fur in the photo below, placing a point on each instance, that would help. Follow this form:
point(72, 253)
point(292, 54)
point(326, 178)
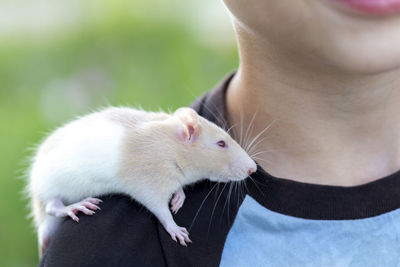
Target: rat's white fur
point(145, 155)
point(66, 165)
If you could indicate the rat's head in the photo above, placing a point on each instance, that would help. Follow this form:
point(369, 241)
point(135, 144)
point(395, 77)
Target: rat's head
point(208, 151)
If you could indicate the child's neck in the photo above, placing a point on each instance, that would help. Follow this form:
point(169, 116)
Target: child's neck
point(327, 129)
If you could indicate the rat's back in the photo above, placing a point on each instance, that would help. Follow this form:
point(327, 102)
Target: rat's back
point(80, 156)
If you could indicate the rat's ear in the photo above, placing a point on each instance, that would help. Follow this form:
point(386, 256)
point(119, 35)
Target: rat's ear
point(189, 127)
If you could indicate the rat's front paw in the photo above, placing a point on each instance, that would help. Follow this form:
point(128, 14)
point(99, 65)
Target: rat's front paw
point(177, 200)
point(179, 233)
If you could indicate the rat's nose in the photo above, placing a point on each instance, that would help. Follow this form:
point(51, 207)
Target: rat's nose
point(251, 170)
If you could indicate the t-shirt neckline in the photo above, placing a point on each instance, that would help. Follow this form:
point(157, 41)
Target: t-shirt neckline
point(306, 200)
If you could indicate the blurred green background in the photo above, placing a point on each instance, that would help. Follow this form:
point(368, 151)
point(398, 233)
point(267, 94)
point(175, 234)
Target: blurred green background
point(62, 58)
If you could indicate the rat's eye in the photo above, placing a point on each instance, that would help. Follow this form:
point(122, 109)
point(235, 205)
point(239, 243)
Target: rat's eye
point(221, 143)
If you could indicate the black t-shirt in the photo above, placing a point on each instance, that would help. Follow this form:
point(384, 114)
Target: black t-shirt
point(290, 220)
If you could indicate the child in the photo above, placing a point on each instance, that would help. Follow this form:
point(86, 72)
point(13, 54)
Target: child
point(324, 75)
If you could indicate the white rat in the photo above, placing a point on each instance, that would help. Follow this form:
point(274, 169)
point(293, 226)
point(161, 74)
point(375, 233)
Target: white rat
point(146, 155)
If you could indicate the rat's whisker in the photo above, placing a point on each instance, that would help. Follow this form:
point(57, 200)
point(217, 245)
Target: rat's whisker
point(255, 183)
point(219, 116)
point(230, 128)
point(244, 188)
point(223, 209)
point(254, 150)
point(268, 150)
point(262, 159)
point(239, 193)
point(261, 152)
point(249, 130)
point(254, 146)
point(229, 200)
point(216, 191)
point(201, 205)
point(260, 134)
point(241, 129)
point(215, 206)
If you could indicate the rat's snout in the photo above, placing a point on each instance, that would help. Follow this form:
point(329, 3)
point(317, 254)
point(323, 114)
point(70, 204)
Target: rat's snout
point(241, 168)
point(253, 167)
point(251, 170)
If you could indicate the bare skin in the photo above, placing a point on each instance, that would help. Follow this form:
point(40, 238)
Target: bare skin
point(330, 81)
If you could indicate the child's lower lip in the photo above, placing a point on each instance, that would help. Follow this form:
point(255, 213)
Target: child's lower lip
point(373, 7)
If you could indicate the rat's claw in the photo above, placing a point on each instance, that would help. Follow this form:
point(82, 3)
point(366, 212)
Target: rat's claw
point(185, 234)
point(185, 231)
point(177, 201)
point(93, 200)
point(181, 240)
point(91, 206)
point(73, 216)
point(179, 233)
point(175, 209)
point(85, 210)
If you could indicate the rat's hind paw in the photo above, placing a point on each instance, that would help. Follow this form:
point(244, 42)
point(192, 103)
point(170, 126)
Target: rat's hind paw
point(177, 200)
point(179, 233)
point(57, 208)
point(86, 206)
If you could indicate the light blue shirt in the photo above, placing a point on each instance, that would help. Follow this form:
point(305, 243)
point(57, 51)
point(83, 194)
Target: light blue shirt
point(261, 237)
